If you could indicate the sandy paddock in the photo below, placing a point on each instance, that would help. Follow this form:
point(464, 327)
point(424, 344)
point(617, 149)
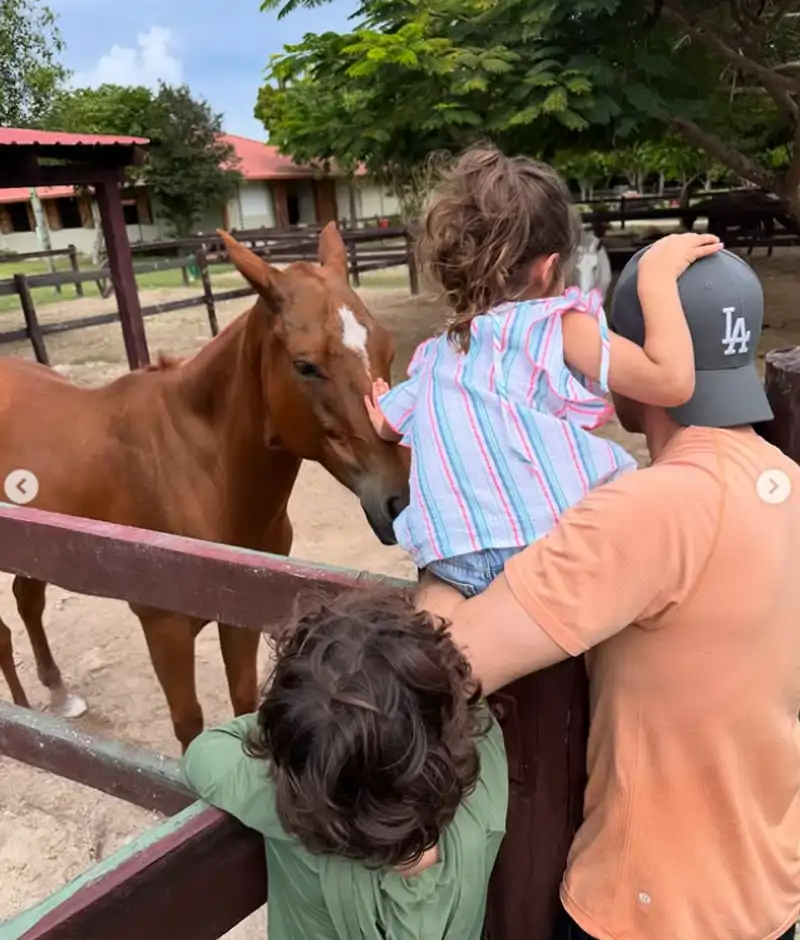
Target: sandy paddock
point(52, 830)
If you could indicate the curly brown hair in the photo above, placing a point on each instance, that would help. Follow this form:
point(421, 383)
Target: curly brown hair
point(489, 218)
point(369, 722)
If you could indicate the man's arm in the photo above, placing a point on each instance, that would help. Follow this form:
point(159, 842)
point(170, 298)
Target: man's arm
point(630, 551)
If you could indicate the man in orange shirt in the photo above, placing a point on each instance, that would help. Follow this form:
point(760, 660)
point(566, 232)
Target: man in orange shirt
point(681, 583)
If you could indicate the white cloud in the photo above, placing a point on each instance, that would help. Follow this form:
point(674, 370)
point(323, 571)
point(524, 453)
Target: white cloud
point(152, 61)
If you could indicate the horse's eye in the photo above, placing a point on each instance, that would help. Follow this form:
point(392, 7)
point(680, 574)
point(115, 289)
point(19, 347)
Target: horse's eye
point(307, 369)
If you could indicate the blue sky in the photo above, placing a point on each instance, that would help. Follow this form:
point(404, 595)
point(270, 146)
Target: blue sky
point(220, 49)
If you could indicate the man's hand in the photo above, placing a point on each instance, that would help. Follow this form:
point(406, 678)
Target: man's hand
point(381, 426)
point(671, 256)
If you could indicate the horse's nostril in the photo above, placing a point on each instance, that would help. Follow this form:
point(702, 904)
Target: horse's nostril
point(395, 505)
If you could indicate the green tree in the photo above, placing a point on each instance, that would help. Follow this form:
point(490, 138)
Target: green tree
point(109, 109)
point(586, 168)
point(189, 168)
point(531, 74)
point(30, 72)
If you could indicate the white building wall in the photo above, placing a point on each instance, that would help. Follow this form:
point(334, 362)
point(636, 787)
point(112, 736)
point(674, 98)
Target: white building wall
point(82, 238)
point(252, 206)
point(370, 200)
point(375, 200)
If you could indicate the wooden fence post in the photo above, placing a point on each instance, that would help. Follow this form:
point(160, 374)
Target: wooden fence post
point(782, 384)
point(413, 274)
point(73, 263)
point(352, 251)
point(31, 322)
point(208, 293)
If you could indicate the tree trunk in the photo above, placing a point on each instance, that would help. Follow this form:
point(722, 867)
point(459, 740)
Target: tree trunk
point(790, 190)
point(42, 230)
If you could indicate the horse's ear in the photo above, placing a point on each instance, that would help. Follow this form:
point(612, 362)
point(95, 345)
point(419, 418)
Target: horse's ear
point(332, 251)
point(262, 277)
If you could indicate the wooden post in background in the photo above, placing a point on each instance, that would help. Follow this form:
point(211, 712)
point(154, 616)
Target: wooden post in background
point(782, 384)
point(208, 293)
point(73, 263)
point(413, 274)
point(545, 723)
point(120, 261)
point(31, 321)
point(352, 251)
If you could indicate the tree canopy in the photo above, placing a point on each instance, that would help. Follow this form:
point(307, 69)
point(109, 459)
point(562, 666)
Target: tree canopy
point(30, 71)
point(543, 77)
point(189, 168)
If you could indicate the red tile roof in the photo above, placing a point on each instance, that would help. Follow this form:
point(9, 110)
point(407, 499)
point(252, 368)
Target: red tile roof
point(261, 161)
point(23, 137)
point(23, 193)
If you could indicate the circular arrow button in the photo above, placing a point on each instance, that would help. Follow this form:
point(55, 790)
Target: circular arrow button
point(21, 486)
point(774, 486)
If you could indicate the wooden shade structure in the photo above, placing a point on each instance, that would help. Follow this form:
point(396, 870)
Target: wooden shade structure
point(42, 158)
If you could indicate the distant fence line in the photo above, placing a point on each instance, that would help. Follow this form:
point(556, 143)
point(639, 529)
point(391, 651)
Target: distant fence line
point(367, 250)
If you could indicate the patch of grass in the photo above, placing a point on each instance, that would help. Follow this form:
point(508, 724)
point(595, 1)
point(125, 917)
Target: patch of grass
point(42, 296)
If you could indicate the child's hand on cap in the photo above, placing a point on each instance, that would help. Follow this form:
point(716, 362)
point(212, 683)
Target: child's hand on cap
point(671, 256)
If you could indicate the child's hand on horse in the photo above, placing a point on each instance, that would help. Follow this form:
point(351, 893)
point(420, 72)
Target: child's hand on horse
point(381, 426)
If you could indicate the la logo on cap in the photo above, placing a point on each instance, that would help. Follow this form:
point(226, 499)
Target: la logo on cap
point(737, 337)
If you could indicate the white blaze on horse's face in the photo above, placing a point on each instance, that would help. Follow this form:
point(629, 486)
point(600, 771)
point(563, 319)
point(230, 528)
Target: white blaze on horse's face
point(354, 335)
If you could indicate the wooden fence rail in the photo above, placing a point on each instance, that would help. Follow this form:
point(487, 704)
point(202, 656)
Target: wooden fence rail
point(201, 873)
point(22, 285)
point(382, 248)
point(70, 252)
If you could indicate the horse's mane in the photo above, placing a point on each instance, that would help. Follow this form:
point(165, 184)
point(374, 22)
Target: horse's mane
point(163, 364)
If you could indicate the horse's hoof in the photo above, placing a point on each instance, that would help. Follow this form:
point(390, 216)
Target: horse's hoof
point(68, 705)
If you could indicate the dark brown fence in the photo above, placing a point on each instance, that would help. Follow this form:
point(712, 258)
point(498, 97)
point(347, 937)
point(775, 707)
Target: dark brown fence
point(22, 285)
point(368, 250)
point(371, 249)
point(70, 252)
point(200, 873)
point(205, 872)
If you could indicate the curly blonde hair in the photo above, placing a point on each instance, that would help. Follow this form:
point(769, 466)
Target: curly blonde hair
point(488, 219)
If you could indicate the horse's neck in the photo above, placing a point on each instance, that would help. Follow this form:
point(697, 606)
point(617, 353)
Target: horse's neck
point(222, 385)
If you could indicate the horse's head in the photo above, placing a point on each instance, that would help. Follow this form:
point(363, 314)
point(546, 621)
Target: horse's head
point(592, 268)
point(322, 351)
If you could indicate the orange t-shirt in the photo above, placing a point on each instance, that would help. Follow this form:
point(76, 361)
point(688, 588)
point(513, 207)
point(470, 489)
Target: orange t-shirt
point(690, 584)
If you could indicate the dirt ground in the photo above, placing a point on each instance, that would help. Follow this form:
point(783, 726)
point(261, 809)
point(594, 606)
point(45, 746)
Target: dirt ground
point(52, 830)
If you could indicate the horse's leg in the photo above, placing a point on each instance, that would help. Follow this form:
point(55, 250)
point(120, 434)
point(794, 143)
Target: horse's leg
point(240, 646)
point(8, 668)
point(170, 639)
point(240, 655)
point(30, 604)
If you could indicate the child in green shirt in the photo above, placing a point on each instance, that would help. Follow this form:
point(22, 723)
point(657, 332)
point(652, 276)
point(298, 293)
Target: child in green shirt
point(374, 771)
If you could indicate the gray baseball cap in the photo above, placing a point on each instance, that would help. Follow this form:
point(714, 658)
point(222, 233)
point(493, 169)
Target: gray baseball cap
point(724, 307)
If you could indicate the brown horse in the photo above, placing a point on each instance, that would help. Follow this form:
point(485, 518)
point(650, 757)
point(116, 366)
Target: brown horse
point(209, 448)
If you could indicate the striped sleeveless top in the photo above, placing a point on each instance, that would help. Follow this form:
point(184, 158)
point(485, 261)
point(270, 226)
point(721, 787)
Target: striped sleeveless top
point(499, 435)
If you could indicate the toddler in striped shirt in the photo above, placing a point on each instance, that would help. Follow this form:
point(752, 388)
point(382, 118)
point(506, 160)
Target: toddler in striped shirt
point(497, 410)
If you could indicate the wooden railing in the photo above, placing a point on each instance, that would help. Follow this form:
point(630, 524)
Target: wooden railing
point(199, 874)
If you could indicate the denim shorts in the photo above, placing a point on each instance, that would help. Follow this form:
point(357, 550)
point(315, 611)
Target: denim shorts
point(472, 573)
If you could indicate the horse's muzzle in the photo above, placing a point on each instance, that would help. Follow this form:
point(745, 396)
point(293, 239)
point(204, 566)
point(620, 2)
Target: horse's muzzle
point(382, 507)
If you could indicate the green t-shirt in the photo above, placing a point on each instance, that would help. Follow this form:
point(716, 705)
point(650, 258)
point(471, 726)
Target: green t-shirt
point(323, 897)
